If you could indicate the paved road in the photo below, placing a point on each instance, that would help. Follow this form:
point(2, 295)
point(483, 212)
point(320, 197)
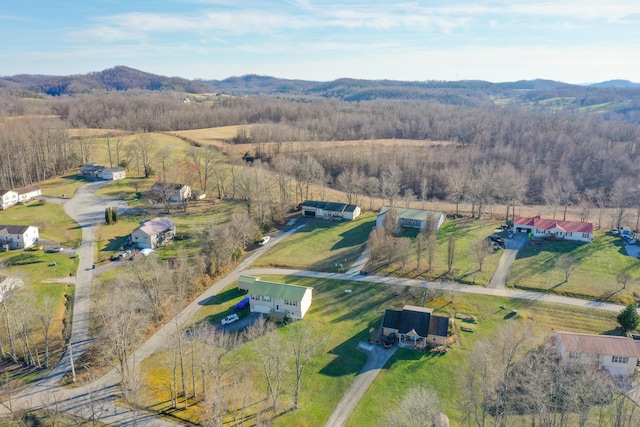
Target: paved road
point(377, 358)
point(512, 246)
point(444, 286)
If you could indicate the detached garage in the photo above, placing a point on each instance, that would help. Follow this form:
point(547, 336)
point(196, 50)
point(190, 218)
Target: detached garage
point(330, 210)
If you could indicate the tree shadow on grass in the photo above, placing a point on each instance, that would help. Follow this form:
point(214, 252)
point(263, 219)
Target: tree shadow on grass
point(224, 297)
point(354, 236)
point(115, 244)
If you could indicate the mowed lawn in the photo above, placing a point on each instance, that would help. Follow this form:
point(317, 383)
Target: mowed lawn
point(344, 319)
point(597, 266)
point(321, 245)
point(50, 218)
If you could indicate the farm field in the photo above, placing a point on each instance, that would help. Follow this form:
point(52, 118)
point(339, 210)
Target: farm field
point(597, 266)
point(344, 319)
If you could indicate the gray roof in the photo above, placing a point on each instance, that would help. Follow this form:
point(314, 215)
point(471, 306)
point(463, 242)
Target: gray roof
point(13, 229)
point(329, 206)
point(167, 186)
point(28, 189)
point(156, 226)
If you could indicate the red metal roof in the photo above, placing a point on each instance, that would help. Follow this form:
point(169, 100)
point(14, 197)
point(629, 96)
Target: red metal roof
point(548, 224)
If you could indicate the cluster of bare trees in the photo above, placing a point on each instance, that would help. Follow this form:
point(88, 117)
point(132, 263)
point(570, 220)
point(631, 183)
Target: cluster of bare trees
point(25, 329)
point(32, 150)
point(508, 380)
point(206, 369)
point(149, 292)
point(387, 247)
point(221, 244)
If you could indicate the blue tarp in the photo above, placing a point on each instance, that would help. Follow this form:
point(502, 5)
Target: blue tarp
point(242, 304)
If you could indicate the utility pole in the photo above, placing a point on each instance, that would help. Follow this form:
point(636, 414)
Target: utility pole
point(73, 369)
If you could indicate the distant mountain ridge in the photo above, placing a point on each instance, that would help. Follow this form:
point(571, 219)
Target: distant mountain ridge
point(618, 99)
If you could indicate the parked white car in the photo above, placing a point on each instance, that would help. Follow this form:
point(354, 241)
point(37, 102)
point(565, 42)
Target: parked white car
point(230, 319)
point(264, 240)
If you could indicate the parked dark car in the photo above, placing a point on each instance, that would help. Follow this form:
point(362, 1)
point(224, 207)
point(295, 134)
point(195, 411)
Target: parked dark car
point(390, 340)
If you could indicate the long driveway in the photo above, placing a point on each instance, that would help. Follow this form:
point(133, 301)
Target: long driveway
point(512, 246)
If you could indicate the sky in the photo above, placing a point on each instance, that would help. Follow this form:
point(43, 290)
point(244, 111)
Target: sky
point(574, 41)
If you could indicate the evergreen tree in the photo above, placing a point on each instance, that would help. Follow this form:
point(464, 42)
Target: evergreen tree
point(114, 214)
point(108, 217)
point(629, 319)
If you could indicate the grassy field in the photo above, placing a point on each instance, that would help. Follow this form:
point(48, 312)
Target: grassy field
point(320, 245)
point(64, 186)
point(344, 319)
point(50, 219)
point(597, 266)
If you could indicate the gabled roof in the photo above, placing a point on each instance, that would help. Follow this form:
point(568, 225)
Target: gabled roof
point(548, 224)
point(599, 344)
point(156, 226)
point(28, 189)
point(329, 206)
point(13, 229)
point(3, 192)
point(410, 213)
point(278, 290)
point(418, 319)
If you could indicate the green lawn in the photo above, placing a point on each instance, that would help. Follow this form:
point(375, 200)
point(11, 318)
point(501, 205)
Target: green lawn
point(64, 186)
point(466, 232)
point(597, 265)
point(344, 319)
point(320, 245)
point(50, 219)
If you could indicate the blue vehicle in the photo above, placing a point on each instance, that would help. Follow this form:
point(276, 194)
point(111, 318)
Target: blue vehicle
point(242, 304)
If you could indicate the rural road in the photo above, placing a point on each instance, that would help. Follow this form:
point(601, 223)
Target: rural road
point(512, 246)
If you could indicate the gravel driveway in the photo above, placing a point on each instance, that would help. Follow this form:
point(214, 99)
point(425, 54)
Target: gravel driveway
point(512, 246)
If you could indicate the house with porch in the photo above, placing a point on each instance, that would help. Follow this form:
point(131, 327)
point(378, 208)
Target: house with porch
point(617, 355)
point(278, 299)
point(330, 210)
point(412, 218)
point(416, 325)
point(554, 229)
point(153, 233)
point(18, 236)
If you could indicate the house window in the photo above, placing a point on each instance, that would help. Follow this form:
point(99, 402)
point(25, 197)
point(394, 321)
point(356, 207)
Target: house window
point(585, 235)
point(266, 299)
point(569, 233)
point(255, 297)
point(291, 302)
point(620, 359)
point(540, 230)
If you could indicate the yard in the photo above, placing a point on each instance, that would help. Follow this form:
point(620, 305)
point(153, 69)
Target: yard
point(466, 232)
point(594, 276)
point(50, 218)
point(344, 319)
point(321, 245)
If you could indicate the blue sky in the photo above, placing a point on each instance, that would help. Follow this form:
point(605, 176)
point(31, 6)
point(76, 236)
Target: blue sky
point(575, 41)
